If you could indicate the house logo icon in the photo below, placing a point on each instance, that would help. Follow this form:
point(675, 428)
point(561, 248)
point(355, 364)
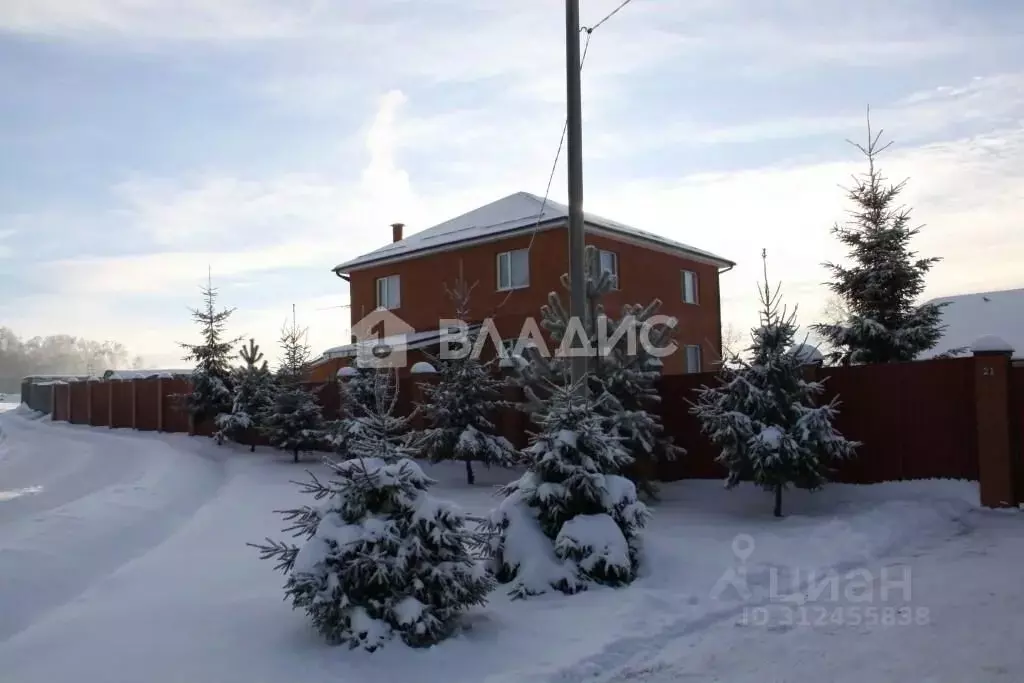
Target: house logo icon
point(380, 340)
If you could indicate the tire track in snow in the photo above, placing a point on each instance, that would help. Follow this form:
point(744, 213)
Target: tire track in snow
point(632, 658)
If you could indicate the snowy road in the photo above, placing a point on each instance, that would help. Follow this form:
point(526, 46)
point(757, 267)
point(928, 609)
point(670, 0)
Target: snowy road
point(123, 559)
point(75, 505)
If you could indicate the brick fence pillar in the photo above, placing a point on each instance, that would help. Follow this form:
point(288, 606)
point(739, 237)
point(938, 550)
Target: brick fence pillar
point(992, 413)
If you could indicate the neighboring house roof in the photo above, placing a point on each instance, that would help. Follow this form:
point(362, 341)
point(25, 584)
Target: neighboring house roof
point(515, 214)
point(970, 316)
point(402, 342)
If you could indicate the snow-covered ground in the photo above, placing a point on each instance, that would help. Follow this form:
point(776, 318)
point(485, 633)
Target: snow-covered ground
point(123, 558)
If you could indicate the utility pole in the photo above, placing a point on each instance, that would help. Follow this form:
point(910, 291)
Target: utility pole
point(574, 127)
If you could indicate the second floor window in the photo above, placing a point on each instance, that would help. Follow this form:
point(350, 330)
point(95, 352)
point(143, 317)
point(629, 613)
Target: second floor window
point(514, 269)
point(610, 265)
point(690, 283)
point(389, 294)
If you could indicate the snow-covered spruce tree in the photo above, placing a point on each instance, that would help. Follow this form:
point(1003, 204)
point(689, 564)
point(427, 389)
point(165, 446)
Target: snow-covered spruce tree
point(459, 405)
point(356, 393)
point(253, 399)
point(295, 422)
point(882, 322)
point(212, 389)
point(571, 520)
point(764, 414)
point(381, 557)
point(625, 378)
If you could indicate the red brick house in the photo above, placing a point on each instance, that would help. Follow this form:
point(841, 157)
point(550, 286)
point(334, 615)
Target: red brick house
point(517, 253)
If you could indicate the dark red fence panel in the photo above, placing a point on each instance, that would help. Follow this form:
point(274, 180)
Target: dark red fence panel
point(121, 391)
point(699, 460)
point(147, 404)
point(60, 408)
point(99, 398)
point(914, 420)
point(1017, 425)
point(79, 403)
point(172, 402)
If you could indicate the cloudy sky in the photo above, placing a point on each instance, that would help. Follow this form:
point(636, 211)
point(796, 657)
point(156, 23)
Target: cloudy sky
point(143, 140)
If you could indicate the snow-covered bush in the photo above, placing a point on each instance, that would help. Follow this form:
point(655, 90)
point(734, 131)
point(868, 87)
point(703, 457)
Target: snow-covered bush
point(381, 558)
point(253, 399)
point(765, 416)
point(571, 520)
point(357, 394)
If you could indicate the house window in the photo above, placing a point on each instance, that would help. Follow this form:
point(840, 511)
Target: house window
point(610, 265)
point(389, 294)
point(514, 269)
point(693, 358)
point(690, 292)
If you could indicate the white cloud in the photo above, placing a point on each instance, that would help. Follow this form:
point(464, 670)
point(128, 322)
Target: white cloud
point(225, 20)
point(5, 250)
point(473, 92)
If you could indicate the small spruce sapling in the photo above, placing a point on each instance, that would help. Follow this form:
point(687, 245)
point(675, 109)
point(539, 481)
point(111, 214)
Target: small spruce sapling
point(458, 406)
point(357, 397)
point(212, 386)
point(624, 374)
point(764, 414)
point(295, 423)
point(253, 400)
point(571, 519)
point(380, 557)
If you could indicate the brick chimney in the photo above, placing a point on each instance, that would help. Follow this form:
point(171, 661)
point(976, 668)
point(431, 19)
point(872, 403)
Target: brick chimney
point(396, 232)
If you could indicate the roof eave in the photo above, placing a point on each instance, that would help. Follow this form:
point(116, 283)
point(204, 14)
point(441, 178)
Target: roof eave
point(348, 267)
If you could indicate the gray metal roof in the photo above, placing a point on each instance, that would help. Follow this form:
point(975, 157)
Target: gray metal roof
point(516, 213)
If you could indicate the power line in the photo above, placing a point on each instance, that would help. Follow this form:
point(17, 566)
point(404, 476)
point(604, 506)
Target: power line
point(589, 31)
point(607, 17)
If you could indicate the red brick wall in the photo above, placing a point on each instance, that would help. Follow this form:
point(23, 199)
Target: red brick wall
point(643, 273)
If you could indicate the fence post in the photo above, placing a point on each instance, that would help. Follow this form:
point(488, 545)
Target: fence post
point(135, 405)
point(88, 402)
point(68, 401)
point(159, 404)
point(110, 403)
point(992, 414)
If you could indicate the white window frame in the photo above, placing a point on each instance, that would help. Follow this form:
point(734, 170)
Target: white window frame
point(694, 296)
point(615, 265)
point(506, 257)
point(389, 292)
point(696, 349)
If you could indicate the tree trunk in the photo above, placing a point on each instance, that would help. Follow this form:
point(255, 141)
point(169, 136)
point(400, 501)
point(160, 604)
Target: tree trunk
point(470, 479)
point(778, 500)
point(295, 455)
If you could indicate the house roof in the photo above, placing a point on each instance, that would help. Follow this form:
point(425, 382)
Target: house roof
point(517, 213)
point(970, 316)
